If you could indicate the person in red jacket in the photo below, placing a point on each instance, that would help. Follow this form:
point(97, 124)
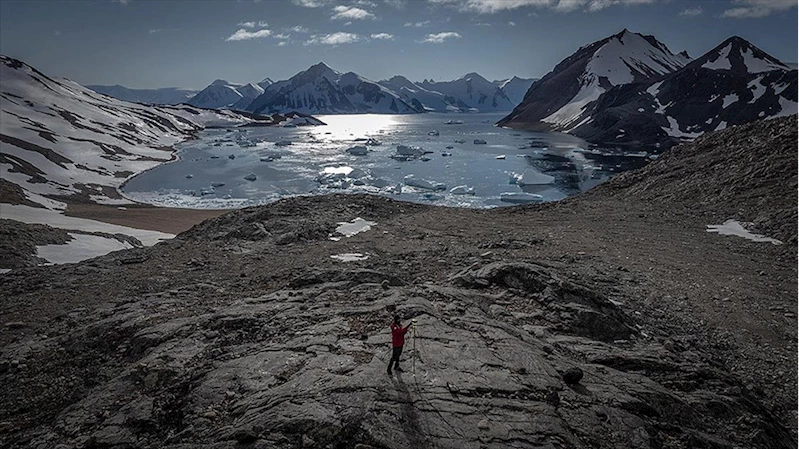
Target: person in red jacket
point(397, 342)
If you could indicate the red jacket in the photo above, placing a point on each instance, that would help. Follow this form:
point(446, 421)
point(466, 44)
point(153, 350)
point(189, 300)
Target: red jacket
point(398, 335)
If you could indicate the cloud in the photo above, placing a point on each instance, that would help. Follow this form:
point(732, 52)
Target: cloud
point(692, 12)
point(259, 24)
point(383, 36)
point(350, 13)
point(368, 3)
point(333, 39)
point(417, 24)
point(281, 44)
point(121, 2)
point(757, 8)
point(154, 30)
point(281, 36)
point(439, 38)
point(57, 33)
point(244, 35)
point(310, 3)
point(396, 4)
point(511, 23)
point(299, 29)
point(493, 6)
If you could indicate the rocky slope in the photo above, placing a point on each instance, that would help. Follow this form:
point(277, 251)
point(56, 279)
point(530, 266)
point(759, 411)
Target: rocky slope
point(245, 331)
point(322, 90)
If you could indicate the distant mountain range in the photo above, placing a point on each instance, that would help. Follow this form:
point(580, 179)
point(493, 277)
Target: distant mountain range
point(323, 90)
point(631, 89)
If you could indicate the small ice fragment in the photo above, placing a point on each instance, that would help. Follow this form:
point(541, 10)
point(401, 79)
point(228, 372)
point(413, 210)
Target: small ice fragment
point(501, 156)
point(479, 142)
point(189, 176)
point(357, 150)
point(462, 190)
point(251, 177)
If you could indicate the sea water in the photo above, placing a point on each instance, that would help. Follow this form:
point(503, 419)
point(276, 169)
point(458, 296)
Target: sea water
point(210, 171)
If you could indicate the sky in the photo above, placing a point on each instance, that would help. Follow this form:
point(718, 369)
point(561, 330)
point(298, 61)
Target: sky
point(189, 44)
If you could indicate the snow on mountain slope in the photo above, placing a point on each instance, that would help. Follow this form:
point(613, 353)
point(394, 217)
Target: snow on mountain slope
point(249, 92)
point(60, 138)
point(472, 90)
point(558, 100)
point(422, 98)
point(725, 87)
point(515, 88)
point(739, 56)
point(322, 90)
point(166, 95)
point(219, 94)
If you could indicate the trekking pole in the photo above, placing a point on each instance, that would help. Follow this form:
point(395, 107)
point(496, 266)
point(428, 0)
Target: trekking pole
point(413, 321)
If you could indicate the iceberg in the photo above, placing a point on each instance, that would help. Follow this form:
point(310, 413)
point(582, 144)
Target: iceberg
point(251, 177)
point(373, 142)
point(531, 178)
point(479, 142)
point(282, 143)
point(358, 150)
point(412, 181)
point(433, 133)
point(462, 190)
point(405, 150)
point(520, 197)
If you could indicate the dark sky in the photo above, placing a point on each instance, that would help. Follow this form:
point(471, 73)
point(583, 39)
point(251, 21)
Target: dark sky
point(152, 43)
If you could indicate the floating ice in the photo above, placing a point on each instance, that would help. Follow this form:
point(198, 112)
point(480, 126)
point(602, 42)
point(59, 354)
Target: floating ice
point(412, 181)
point(282, 143)
point(734, 227)
point(358, 225)
point(520, 197)
point(251, 177)
point(349, 257)
point(501, 156)
point(358, 150)
point(405, 150)
point(479, 142)
point(530, 178)
point(462, 190)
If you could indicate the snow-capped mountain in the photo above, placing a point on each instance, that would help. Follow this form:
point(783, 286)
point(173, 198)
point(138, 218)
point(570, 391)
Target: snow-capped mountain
point(421, 98)
point(219, 94)
point(264, 83)
point(322, 90)
point(249, 92)
point(515, 88)
point(58, 138)
point(472, 90)
point(732, 84)
point(557, 101)
point(166, 95)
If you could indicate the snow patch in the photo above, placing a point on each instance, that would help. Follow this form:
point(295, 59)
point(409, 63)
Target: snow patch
point(27, 214)
point(756, 65)
point(350, 257)
point(788, 107)
point(728, 100)
point(674, 130)
point(81, 247)
point(356, 226)
point(722, 62)
point(757, 87)
point(734, 227)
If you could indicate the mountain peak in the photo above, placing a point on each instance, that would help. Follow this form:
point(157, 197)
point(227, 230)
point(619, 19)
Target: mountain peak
point(739, 56)
point(220, 82)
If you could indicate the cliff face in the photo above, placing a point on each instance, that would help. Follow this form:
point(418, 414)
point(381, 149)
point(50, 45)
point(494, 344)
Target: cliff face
point(245, 329)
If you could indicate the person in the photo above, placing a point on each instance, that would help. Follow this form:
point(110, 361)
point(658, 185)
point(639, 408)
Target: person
point(397, 342)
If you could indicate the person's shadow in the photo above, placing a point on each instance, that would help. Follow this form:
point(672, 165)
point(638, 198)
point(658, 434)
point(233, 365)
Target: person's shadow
point(408, 415)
